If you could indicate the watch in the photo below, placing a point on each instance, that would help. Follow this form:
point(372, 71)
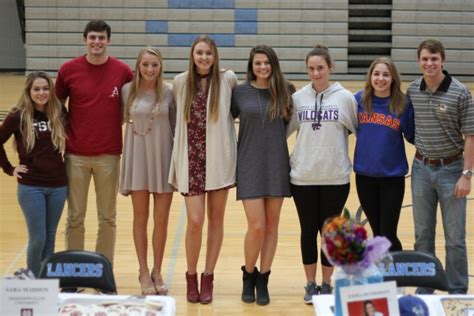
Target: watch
point(467, 173)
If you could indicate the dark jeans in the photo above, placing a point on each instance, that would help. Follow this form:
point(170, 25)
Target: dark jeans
point(381, 200)
point(315, 204)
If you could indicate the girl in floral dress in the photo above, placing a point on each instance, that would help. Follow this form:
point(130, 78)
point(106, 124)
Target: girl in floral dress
point(204, 157)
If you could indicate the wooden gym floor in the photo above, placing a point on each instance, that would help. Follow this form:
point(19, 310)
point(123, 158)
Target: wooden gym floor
point(287, 278)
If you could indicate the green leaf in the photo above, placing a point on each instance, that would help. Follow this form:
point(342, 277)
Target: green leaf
point(346, 213)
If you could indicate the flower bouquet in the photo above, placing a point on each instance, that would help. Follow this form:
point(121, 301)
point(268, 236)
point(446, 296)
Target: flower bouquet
point(345, 244)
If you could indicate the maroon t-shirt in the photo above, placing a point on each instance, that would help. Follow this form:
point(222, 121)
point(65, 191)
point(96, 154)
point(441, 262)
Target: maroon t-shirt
point(95, 115)
point(45, 163)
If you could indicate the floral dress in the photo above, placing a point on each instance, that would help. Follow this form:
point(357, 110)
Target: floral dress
point(197, 143)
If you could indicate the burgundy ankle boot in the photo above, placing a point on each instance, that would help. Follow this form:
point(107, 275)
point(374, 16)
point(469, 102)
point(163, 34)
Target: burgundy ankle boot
point(206, 288)
point(192, 293)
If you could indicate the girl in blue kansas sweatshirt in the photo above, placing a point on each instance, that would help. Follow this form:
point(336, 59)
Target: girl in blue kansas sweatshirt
point(384, 116)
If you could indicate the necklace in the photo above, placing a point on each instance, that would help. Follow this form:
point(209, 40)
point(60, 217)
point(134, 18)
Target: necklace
point(201, 76)
point(154, 111)
point(262, 111)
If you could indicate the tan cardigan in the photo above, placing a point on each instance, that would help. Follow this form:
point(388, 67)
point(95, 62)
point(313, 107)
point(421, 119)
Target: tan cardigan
point(221, 141)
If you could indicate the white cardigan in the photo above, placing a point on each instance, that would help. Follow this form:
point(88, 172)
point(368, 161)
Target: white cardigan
point(221, 141)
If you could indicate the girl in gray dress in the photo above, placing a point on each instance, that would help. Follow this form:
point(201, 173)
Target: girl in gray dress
point(150, 115)
point(264, 106)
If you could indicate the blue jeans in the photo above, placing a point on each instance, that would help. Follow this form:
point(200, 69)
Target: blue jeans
point(429, 185)
point(42, 208)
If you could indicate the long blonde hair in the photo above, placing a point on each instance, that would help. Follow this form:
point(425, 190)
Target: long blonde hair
point(137, 77)
point(397, 97)
point(53, 110)
point(190, 86)
point(281, 104)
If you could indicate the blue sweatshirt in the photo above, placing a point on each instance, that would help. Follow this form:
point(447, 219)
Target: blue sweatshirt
point(380, 149)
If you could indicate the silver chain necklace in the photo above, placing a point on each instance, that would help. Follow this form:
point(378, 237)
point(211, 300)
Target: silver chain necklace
point(263, 113)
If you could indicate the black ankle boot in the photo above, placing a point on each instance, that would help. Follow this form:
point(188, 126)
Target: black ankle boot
point(263, 298)
point(249, 280)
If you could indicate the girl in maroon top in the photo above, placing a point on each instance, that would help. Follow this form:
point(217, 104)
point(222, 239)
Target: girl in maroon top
point(37, 124)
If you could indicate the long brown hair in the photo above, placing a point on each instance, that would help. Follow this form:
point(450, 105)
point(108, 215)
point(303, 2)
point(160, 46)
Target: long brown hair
point(53, 111)
point(397, 97)
point(137, 78)
point(281, 104)
point(190, 86)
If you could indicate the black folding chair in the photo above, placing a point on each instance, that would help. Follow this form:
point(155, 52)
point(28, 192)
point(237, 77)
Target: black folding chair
point(80, 269)
point(416, 269)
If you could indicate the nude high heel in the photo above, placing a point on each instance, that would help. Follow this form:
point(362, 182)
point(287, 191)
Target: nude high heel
point(146, 283)
point(160, 286)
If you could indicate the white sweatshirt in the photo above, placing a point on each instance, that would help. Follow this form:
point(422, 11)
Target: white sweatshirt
point(323, 121)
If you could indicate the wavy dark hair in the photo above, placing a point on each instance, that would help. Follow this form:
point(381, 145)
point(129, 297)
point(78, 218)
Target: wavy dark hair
point(281, 104)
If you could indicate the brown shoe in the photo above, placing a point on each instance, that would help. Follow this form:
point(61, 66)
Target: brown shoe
point(192, 293)
point(206, 288)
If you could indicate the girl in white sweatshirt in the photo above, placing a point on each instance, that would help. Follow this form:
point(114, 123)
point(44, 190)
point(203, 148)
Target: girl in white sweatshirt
point(324, 115)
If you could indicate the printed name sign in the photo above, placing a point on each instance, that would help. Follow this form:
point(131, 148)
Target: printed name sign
point(29, 297)
point(380, 298)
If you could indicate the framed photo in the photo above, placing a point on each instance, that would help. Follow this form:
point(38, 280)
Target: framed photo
point(379, 299)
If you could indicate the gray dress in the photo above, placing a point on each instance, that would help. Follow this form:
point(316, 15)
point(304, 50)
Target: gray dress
point(148, 144)
point(262, 152)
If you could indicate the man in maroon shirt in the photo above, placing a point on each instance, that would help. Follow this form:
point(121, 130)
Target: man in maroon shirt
point(92, 84)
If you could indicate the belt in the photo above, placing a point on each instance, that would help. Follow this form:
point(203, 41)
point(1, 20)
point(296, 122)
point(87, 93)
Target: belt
point(438, 162)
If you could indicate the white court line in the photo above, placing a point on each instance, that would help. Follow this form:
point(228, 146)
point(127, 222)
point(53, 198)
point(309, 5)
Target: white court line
point(8, 271)
point(177, 241)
